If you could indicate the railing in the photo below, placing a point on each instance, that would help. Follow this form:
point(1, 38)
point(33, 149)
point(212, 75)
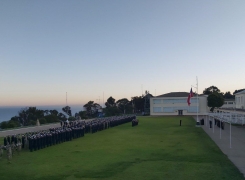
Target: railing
point(234, 118)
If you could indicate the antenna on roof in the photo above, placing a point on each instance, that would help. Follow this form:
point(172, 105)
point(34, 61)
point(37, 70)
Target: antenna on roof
point(66, 98)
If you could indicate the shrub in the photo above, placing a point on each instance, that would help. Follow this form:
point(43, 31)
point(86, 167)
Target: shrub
point(4, 125)
point(11, 124)
point(32, 122)
point(71, 118)
point(42, 121)
point(51, 118)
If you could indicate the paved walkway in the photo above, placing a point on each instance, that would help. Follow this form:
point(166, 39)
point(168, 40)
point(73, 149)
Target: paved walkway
point(31, 129)
point(27, 129)
point(233, 147)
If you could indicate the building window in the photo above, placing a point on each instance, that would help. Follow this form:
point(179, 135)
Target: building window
point(157, 109)
point(192, 109)
point(168, 109)
point(157, 101)
point(178, 101)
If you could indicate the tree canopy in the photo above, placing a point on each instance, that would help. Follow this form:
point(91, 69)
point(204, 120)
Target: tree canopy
point(228, 95)
point(124, 105)
point(91, 109)
point(110, 102)
point(138, 103)
point(211, 90)
point(67, 110)
point(215, 100)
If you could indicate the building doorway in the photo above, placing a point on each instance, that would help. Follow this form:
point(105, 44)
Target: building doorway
point(180, 112)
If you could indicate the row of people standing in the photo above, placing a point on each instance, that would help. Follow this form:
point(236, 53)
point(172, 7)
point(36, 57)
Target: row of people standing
point(55, 136)
point(105, 123)
point(220, 124)
point(67, 132)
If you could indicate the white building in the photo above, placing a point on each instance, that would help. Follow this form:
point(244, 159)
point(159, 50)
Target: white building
point(175, 103)
point(240, 100)
point(229, 104)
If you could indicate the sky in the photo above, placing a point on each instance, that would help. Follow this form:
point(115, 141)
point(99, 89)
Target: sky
point(53, 51)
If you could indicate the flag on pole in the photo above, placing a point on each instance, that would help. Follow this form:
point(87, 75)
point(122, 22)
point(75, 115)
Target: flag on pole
point(189, 97)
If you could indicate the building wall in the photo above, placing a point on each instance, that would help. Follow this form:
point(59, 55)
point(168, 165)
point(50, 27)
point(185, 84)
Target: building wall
point(240, 101)
point(171, 105)
point(229, 104)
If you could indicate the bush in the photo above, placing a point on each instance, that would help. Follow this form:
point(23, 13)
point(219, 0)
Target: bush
point(4, 125)
point(42, 121)
point(51, 118)
point(71, 118)
point(32, 122)
point(83, 114)
point(11, 124)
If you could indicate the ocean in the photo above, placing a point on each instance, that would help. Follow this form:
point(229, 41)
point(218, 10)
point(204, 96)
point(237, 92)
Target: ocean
point(6, 113)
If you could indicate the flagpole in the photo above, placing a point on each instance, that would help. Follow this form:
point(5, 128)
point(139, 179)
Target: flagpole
point(198, 122)
point(197, 101)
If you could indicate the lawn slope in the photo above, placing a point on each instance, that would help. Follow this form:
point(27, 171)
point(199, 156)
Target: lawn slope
point(158, 148)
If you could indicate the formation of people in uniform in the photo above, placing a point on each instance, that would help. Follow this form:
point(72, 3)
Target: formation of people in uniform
point(67, 132)
point(135, 122)
point(12, 144)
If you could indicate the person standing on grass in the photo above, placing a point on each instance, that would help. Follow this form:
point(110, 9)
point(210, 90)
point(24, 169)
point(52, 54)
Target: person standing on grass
point(9, 152)
point(61, 123)
point(5, 141)
point(1, 151)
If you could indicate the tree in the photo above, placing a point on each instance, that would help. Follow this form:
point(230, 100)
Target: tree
point(110, 102)
point(71, 118)
point(61, 116)
point(42, 121)
point(138, 103)
point(23, 116)
point(211, 90)
point(215, 100)
point(122, 104)
point(51, 118)
point(112, 111)
point(4, 125)
point(228, 95)
point(67, 110)
point(83, 114)
point(54, 112)
point(29, 114)
point(89, 107)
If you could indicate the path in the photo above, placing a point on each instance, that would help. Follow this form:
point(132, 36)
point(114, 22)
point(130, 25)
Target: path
point(234, 149)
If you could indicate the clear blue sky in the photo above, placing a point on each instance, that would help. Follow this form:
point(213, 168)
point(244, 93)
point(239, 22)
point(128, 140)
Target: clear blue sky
point(85, 48)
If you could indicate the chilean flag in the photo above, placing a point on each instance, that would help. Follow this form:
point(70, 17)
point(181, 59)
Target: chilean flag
point(189, 97)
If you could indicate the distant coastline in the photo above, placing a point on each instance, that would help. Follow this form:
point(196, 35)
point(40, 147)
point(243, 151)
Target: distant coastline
point(7, 112)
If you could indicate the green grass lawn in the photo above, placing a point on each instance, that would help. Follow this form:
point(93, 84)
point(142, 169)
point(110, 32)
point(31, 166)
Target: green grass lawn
point(158, 148)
